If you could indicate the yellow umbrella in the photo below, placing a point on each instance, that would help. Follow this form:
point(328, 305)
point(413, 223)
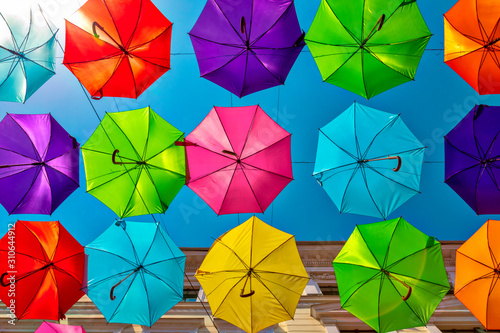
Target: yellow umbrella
point(253, 276)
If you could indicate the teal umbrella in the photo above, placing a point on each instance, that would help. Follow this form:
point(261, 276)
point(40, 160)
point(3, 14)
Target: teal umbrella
point(27, 54)
point(368, 161)
point(135, 273)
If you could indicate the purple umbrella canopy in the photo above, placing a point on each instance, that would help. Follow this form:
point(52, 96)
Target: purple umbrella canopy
point(247, 46)
point(39, 164)
point(472, 159)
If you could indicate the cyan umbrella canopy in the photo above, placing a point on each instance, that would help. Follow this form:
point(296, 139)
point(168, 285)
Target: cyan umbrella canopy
point(27, 54)
point(368, 161)
point(135, 273)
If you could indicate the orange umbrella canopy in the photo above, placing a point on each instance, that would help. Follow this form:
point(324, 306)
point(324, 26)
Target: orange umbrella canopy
point(477, 274)
point(472, 43)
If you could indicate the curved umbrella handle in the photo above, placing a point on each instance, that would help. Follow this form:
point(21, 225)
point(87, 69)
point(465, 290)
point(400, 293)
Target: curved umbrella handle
point(404, 298)
point(247, 295)
point(94, 26)
point(1, 280)
point(243, 25)
point(396, 169)
point(111, 296)
point(113, 157)
point(230, 152)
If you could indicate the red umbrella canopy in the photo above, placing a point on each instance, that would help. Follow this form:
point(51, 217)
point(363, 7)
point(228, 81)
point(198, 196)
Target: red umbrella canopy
point(238, 159)
point(41, 267)
point(117, 47)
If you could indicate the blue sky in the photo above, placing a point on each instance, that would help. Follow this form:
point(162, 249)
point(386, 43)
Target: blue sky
point(430, 106)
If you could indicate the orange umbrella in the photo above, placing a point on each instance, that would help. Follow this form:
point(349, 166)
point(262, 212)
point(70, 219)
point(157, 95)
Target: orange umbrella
point(472, 43)
point(477, 274)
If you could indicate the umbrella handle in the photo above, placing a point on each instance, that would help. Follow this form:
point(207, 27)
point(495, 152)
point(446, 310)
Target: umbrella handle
point(111, 296)
point(396, 169)
point(230, 153)
point(243, 25)
point(404, 298)
point(1, 280)
point(113, 158)
point(247, 295)
point(380, 22)
point(184, 143)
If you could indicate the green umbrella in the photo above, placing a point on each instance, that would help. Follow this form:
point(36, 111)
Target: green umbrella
point(368, 47)
point(132, 163)
point(391, 275)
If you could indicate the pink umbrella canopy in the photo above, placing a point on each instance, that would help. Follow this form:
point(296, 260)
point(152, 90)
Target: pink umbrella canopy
point(238, 160)
point(58, 328)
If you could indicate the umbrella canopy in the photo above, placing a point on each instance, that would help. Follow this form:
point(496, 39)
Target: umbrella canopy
point(391, 275)
point(247, 46)
point(368, 161)
point(238, 159)
point(117, 47)
point(471, 36)
point(253, 276)
point(135, 273)
point(39, 164)
point(132, 164)
point(41, 267)
point(477, 273)
point(472, 159)
point(47, 327)
point(368, 47)
point(27, 54)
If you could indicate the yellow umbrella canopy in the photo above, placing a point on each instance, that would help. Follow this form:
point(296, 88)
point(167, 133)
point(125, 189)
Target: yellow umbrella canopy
point(253, 276)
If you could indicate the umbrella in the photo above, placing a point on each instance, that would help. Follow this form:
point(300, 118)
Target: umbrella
point(117, 47)
point(132, 164)
point(368, 161)
point(47, 327)
point(368, 47)
point(41, 267)
point(238, 159)
point(472, 159)
point(27, 54)
point(391, 275)
point(477, 274)
point(135, 273)
point(39, 164)
point(247, 46)
point(253, 276)
point(471, 47)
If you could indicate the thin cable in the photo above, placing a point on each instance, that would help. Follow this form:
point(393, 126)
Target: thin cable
point(203, 304)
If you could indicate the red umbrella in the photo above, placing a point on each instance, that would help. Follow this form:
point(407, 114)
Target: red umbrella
point(238, 159)
point(117, 47)
point(41, 267)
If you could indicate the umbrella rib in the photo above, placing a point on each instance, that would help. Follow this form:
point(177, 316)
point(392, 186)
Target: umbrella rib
point(113, 254)
point(342, 65)
point(267, 69)
point(279, 246)
point(258, 278)
point(345, 151)
point(482, 277)
point(268, 146)
point(478, 179)
point(356, 169)
point(227, 190)
point(361, 285)
point(368, 247)
point(390, 241)
point(35, 177)
point(34, 296)
point(408, 305)
point(37, 61)
point(114, 23)
point(233, 252)
point(14, 42)
point(251, 125)
point(109, 181)
point(286, 274)
point(287, 9)
point(264, 170)
point(363, 173)
point(426, 281)
point(386, 126)
point(164, 282)
point(342, 24)
point(392, 180)
point(92, 35)
point(152, 40)
point(124, 294)
point(224, 129)
point(211, 173)
point(229, 291)
point(492, 255)
point(228, 21)
point(35, 150)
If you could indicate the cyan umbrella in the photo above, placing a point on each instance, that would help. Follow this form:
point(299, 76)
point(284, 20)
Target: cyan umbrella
point(135, 273)
point(27, 54)
point(368, 161)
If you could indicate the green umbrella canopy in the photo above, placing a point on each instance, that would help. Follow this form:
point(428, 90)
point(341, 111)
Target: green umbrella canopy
point(391, 275)
point(132, 163)
point(368, 46)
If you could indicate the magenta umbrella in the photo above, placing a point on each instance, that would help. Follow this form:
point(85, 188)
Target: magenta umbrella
point(58, 328)
point(39, 164)
point(238, 160)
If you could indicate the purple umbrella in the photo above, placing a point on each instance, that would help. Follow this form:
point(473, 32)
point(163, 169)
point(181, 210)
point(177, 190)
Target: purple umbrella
point(38, 164)
point(472, 159)
point(246, 46)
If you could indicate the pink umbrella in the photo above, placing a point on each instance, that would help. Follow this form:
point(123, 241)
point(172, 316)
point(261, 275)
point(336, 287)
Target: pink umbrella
point(238, 160)
point(58, 328)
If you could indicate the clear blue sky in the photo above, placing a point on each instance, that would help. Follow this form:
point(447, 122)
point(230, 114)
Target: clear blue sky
point(430, 106)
